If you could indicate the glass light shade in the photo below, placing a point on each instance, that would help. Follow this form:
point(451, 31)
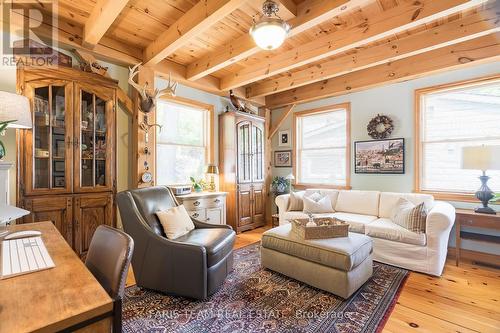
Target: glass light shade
point(15, 107)
point(269, 33)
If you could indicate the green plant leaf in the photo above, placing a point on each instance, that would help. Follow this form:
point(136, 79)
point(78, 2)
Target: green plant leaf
point(4, 124)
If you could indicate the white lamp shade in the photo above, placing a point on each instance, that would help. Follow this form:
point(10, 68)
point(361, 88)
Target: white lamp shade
point(15, 107)
point(481, 158)
point(290, 177)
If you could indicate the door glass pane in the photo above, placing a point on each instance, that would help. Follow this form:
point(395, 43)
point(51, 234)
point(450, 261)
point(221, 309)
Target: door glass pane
point(258, 154)
point(87, 139)
point(41, 138)
point(244, 153)
point(58, 136)
point(100, 140)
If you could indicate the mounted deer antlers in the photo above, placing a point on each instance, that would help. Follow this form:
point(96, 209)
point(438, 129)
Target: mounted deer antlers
point(148, 99)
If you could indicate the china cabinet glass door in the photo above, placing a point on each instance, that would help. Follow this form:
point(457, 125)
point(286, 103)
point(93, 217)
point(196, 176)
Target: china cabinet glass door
point(257, 154)
point(93, 155)
point(49, 142)
point(244, 152)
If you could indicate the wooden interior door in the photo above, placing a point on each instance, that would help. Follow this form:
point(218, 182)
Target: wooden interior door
point(58, 209)
point(91, 210)
point(244, 204)
point(258, 204)
point(94, 135)
point(46, 158)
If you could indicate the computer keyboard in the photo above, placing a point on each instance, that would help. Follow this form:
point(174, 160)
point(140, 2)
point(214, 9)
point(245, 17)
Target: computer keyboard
point(23, 256)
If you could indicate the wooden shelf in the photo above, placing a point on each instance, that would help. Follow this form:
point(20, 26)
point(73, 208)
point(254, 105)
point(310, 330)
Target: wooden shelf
point(480, 237)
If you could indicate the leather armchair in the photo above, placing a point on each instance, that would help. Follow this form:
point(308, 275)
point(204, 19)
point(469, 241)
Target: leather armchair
point(194, 265)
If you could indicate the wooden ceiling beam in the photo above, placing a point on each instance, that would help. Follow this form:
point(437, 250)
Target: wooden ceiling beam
point(101, 18)
point(309, 14)
point(483, 22)
point(480, 50)
point(288, 110)
point(194, 22)
point(405, 16)
point(288, 8)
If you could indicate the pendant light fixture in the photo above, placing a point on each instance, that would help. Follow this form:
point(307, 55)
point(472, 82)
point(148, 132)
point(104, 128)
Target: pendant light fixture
point(270, 31)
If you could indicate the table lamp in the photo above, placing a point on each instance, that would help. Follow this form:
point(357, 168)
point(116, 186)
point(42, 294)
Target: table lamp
point(14, 113)
point(212, 170)
point(482, 158)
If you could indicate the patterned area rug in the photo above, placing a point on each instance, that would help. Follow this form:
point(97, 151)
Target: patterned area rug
point(254, 299)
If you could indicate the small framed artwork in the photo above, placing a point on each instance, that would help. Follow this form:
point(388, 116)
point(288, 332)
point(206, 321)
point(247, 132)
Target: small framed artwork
point(284, 138)
point(380, 156)
point(283, 159)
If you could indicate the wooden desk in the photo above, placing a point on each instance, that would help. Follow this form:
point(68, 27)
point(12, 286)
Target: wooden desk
point(57, 298)
point(469, 218)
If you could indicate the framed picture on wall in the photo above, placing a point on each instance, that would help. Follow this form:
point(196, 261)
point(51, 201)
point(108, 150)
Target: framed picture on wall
point(284, 138)
point(380, 156)
point(283, 159)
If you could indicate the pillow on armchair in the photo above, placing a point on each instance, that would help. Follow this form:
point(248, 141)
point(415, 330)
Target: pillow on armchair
point(176, 221)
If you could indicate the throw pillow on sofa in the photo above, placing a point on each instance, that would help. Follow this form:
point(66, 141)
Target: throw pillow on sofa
point(176, 221)
point(316, 204)
point(296, 201)
point(410, 216)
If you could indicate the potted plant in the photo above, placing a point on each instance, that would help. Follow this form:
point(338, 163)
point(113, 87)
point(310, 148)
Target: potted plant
point(199, 185)
point(280, 185)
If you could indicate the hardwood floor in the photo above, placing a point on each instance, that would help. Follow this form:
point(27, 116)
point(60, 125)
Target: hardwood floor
point(463, 299)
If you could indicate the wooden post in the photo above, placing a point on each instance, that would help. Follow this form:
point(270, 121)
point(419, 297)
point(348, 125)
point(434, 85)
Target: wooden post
point(144, 162)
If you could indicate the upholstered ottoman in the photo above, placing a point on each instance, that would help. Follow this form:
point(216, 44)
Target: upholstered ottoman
point(337, 265)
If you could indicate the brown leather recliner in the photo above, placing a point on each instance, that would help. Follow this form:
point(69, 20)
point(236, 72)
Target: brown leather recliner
point(194, 265)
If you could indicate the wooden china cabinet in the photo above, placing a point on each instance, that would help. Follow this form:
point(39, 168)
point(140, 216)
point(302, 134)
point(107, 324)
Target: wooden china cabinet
point(241, 164)
point(67, 160)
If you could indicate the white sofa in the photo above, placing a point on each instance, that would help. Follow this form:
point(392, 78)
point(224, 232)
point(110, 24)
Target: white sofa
point(369, 212)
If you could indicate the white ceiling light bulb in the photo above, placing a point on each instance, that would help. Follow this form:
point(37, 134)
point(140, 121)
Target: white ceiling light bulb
point(269, 32)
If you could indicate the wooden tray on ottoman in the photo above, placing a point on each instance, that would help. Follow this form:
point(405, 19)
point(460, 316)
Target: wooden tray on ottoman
point(326, 227)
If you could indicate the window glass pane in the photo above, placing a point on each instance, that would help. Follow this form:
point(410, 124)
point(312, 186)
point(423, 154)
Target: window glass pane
point(177, 163)
point(442, 170)
point(181, 124)
point(465, 116)
point(321, 148)
point(463, 113)
point(324, 130)
point(323, 166)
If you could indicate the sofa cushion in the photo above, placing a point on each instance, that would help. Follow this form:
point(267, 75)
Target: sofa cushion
point(386, 229)
point(389, 200)
point(218, 242)
point(343, 253)
point(331, 193)
point(356, 222)
point(409, 216)
point(358, 202)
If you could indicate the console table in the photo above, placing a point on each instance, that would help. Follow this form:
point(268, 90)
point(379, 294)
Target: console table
point(469, 218)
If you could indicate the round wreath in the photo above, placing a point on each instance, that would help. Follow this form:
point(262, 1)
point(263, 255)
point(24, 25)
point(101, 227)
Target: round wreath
point(380, 127)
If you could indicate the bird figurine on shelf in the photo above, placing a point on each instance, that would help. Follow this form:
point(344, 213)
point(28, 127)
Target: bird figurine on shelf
point(236, 102)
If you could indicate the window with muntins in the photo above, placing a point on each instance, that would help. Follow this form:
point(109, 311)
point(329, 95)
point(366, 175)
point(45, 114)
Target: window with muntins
point(449, 118)
point(182, 146)
point(321, 148)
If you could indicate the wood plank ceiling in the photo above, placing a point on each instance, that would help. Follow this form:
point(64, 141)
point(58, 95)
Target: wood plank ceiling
point(205, 44)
